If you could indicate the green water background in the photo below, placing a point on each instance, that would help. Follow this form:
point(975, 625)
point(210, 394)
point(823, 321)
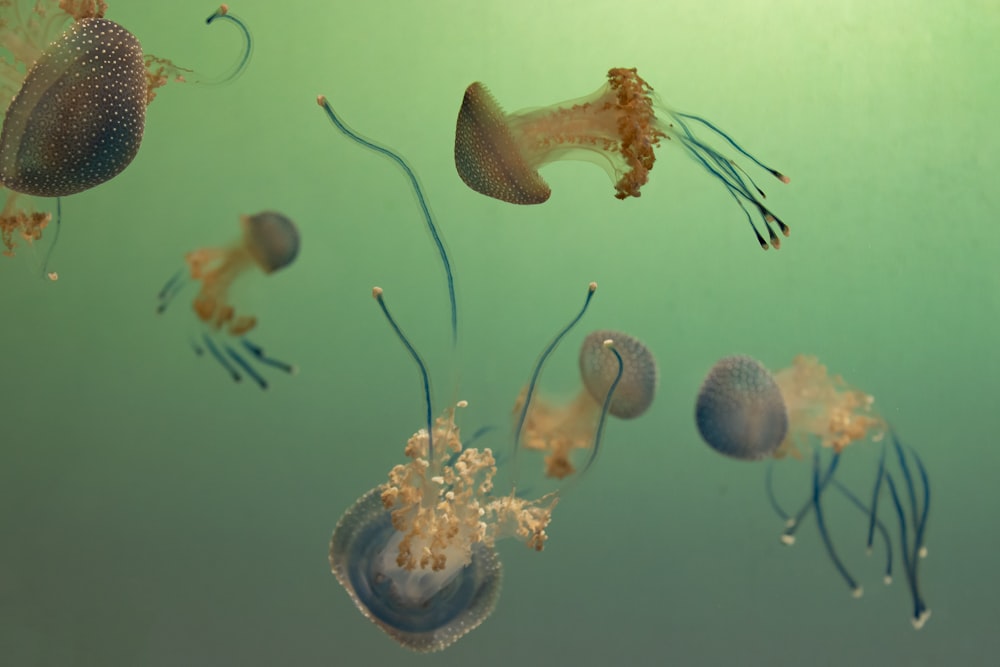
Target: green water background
point(153, 513)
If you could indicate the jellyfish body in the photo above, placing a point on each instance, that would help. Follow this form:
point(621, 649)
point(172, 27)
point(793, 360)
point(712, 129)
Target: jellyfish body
point(417, 553)
point(269, 243)
point(618, 127)
point(739, 410)
point(74, 87)
point(561, 430)
point(78, 119)
point(745, 412)
point(637, 388)
point(421, 608)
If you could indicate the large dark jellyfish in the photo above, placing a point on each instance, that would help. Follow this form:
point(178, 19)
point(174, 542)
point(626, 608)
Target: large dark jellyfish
point(416, 554)
point(617, 127)
point(746, 413)
point(74, 88)
point(269, 243)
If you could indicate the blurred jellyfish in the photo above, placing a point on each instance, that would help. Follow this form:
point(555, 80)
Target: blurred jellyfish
point(416, 554)
point(560, 430)
point(740, 411)
point(74, 87)
point(270, 242)
point(618, 127)
point(745, 412)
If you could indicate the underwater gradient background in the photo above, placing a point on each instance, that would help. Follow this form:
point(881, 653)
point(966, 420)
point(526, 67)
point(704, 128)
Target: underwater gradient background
point(154, 513)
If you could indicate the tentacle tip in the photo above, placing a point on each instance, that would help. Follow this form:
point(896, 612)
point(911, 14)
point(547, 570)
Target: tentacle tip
point(918, 621)
point(293, 369)
point(783, 178)
point(376, 292)
point(321, 100)
point(788, 539)
point(868, 551)
point(218, 13)
point(922, 552)
point(858, 592)
point(887, 580)
point(609, 343)
point(52, 275)
point(462, 404)
point(592, 287)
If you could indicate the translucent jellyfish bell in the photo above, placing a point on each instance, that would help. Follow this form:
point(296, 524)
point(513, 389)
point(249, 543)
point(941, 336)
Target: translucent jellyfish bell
point(618, 128)
point(745, 412)
point(740, 411)
point(269, 243)
point(564, 429)
point(417, 553)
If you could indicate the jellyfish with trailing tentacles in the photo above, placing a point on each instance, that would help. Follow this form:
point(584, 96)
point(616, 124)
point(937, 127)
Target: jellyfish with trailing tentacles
point(745, 412)
point(416, 553)
point(74, 87)
point(269, 243)
point(563, 430)
point(618, 127)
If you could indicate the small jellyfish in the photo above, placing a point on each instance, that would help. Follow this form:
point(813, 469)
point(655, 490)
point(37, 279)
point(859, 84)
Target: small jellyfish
point(416, 554)
point(269, 243)
point(560, 430)
point(740, 411)
point(618, 127)
point(745, 412)
point(74, 88)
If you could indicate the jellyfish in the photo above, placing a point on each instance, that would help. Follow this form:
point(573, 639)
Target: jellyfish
point(618, 128)
point(740, 411)
point(418, 192)
point(269, 243)
point(416, 554)
point(745, 412)
point(561, 430)
point(74, 89)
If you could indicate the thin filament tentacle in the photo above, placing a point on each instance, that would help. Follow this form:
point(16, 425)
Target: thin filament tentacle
point(377, 294)
point(246, 367)
point(258, 354)
point(882, 530)
point(222, 13)
point(788, 537)
point(214, 350)
point(774, 172)
point(591, 288)
point(873, 515)
point(609, 344)
point(817, 492)
point(46, 273)
point(421, 200)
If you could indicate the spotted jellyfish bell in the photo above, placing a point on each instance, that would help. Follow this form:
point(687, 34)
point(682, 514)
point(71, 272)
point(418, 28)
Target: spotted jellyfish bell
point(78, 119)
